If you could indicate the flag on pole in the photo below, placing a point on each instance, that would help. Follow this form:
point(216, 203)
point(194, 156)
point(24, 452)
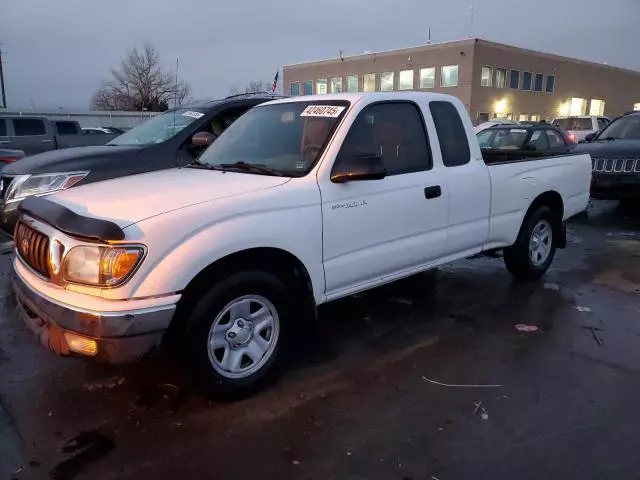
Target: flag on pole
point(275, 82)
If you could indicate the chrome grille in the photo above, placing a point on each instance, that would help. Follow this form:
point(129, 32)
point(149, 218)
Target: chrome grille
point(616, 165)
point(33, 248)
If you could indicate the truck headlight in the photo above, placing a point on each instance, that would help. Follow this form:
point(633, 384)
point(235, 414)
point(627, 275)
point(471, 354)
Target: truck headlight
point(101, 266)
point(41, 184)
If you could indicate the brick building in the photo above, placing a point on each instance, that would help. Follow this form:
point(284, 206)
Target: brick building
point(491, 79)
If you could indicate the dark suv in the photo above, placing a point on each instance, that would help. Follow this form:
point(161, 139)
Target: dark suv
point(615, 153)
point(172, 139)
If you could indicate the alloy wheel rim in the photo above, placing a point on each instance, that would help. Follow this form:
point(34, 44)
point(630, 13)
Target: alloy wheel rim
point(540, 243)
point(243, 336)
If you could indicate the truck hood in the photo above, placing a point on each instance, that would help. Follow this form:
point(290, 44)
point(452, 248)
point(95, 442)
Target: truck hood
point(129, 200)
point(610, 149)
point(66, 159)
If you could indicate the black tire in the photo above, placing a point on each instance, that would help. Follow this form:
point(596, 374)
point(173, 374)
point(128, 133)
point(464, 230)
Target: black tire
point(517, 258)
point(202, 317)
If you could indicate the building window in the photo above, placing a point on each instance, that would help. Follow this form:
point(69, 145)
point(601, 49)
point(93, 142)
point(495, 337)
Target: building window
point(386, 81)
point(514, 79)
point(538, 82)
point(636, 107)
point(428, 77)
point(335, 85)
point(500, 78)
point(523, 117)
point(352, 83)
point(596, 107)
point(369, 84)
point(321, 86)
point(535, 117)
point(294, 89)
point(486, 77)
point(308, 87)
point(551, 83)
point(449, 76)
point(526, 81)
point(405, 80)
point(577, 106)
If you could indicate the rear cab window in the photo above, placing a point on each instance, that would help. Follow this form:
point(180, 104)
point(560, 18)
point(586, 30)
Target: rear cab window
point(393, 130)
point(454, 144)
point(573, 123)
point(24, 127)
point(66, 128)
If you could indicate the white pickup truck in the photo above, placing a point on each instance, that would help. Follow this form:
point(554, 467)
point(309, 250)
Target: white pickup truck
point(301, 201)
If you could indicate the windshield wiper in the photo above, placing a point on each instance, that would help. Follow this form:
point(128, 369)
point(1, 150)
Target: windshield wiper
point(607, 139)
point(249, 167)
point(198, 164)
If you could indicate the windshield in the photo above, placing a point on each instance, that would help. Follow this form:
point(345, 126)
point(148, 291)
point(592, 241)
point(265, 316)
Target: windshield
point(159, 128)
point(624, 128)
point(573, 123)
point(285, 137)
point(503, 138)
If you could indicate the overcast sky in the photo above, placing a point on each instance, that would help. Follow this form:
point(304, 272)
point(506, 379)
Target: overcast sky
point(58, 52)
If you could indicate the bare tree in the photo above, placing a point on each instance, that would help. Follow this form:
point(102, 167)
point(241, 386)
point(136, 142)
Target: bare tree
point(140, 83)
point(258, 86)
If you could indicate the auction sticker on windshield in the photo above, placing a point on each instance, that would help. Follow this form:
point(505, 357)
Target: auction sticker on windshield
point(332, 111)
point(189, 113)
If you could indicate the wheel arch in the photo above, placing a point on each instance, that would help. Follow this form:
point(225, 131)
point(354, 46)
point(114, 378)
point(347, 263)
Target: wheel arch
point(553, 200)
point(278, 262)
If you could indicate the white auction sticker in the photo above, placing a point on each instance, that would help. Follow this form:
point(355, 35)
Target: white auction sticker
point(518, 130)
point(189, 113)
point(332, 111)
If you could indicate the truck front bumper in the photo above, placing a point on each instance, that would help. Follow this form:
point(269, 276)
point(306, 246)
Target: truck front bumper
point(108, 337)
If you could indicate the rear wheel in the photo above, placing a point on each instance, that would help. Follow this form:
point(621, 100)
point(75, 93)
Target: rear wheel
point(235, 334)
point(531, 256)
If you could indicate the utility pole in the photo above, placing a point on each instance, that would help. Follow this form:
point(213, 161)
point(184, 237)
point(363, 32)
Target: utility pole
point(4, 95)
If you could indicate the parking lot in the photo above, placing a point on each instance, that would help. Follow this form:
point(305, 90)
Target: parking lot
point(425, 379)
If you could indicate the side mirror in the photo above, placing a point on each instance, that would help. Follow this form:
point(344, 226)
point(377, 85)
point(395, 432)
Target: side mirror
point(590, 137)
point(358, 167)
point(202, 139)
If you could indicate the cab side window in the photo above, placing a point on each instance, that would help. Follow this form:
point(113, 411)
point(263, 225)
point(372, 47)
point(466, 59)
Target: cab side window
point(3, 128)
point(454, 144)
point(393, 130)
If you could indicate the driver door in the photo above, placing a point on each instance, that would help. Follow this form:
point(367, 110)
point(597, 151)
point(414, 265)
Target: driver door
point(374, 230)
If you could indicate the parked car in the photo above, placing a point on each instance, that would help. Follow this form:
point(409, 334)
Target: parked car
point(493, 123)
point(615, 152)
point(300, 202)
point(10, 156)
point(35, 135)
point(504, 143)
point(172, 139)
point(579, 127)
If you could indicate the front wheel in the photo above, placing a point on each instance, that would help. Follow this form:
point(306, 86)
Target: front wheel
point(531, 256)
point(235, 334)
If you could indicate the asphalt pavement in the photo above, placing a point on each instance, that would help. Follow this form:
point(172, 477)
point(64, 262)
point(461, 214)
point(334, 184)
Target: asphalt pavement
point(459, 374)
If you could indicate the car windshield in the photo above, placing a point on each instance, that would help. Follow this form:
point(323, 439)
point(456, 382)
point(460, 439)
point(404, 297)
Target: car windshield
point(159, 128)
point(573, 123)
point(503, 138)
point(286, 138)
point(624, 128)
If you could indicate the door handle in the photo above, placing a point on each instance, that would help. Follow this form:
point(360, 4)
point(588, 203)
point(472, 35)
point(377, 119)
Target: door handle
point(5, 141)
point(432, 192)
point(47, 141)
